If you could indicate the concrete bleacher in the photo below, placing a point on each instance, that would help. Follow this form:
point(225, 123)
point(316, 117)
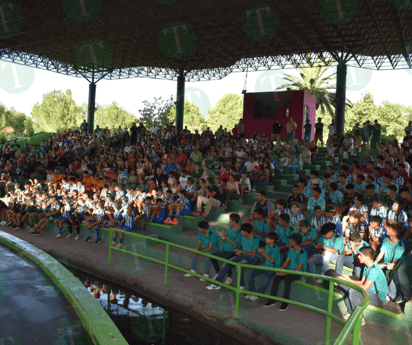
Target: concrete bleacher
point(186, 234)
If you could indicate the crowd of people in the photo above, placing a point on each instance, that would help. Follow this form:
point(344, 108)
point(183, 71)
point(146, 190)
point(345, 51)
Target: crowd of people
point(356, 215)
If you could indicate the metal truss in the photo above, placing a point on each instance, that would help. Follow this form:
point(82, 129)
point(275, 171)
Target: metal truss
point(263, 63)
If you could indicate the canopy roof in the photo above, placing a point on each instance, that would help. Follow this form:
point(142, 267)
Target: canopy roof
point(142, 38)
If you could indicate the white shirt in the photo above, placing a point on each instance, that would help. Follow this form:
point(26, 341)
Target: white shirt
point(239, 154)
point(331, 129)
point(250, 166)
point(183, 181)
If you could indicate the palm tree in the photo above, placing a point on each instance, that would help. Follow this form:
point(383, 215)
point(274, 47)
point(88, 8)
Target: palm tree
point(312, 79)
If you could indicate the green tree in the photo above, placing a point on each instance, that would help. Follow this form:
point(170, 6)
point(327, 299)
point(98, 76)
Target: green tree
point(317, 82)
point(56, 113)
point(12, 123)
point(192, 117)
point(157, 111)
point(361, 111)
point(113, 116)
point(391, 116)
point(227, 112)
point(393, 119)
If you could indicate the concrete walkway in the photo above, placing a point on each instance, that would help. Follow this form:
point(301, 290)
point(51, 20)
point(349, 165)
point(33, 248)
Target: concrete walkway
point(32, 308)
point(188, 295)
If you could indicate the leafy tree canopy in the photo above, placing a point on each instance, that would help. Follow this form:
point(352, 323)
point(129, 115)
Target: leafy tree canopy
point(227, 112)
point(192, 117)
point(113, 116)
point(157, 111)
point(56, 113)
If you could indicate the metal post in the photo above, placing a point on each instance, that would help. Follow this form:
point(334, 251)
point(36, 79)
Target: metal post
point(180, 102)
point(167, 264)
point(110, 246)
point(239, 275)
point(356, 331)
point(91, 108)
point(340, 96)
point(330, 305)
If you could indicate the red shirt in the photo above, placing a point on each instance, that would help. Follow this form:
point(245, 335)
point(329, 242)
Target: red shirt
point(384, 171)
point(181, 159)
point(224, 175)
point(235, 132)
point(367, 171)
point(405, 175)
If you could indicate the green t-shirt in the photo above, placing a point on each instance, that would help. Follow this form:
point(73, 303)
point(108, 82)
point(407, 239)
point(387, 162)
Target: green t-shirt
point(284, 235)
point(312, 234)
point(249, 245)
point(299, 258)
point(211, 238)
point(334, 243)
point(274, 253)
point(393, 251)
point(197, 174)
point(235, 236)
point(375, 275)
point(263, 228)
point(197, 157)
point(363, 244)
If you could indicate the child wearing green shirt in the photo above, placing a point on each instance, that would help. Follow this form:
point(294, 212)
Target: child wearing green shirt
point(296, 260)
point(208, 242)
point(391, 252)
point(233, 239)
point(332, 246)
point(247, 255)
point(271, 254)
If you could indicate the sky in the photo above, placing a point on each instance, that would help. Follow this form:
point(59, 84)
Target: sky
point(21, 87)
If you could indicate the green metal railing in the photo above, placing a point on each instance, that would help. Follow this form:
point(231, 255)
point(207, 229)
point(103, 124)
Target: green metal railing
point(352, 326)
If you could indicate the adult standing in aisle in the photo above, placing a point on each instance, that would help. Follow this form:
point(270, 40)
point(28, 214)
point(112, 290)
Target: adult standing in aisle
point(276, 129)
point(319, 131)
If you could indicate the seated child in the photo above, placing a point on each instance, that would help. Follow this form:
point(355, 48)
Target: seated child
point(181, 207)
point(64, 218)
point(271, 256)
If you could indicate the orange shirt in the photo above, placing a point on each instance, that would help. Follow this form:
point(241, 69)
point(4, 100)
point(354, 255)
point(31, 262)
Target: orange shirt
point(57, 178)
point(151, 187)
point(111, 176)
point(99, 184)
point(88, 182)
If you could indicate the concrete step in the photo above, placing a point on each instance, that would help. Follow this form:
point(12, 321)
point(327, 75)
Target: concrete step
point(233, 205)
point(215, 212)
point(278, 195)
point(312, 167)
point(190, 221)
point(250, 198)
point(266, 188)
point(290, 178)
point(278, 183)
point(104, 235)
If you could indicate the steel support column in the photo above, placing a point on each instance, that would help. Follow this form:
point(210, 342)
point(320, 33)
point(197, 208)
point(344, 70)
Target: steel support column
point(91, 107)
point(180, 103)
point(340, 96)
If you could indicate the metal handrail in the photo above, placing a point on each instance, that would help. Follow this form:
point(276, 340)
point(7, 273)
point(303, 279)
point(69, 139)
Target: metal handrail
point(352, 325)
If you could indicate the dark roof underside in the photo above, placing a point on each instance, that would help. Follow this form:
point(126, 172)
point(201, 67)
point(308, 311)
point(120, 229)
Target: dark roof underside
point(48, 38)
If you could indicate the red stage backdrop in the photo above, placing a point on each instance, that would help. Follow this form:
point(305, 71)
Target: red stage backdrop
point(260, 110)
